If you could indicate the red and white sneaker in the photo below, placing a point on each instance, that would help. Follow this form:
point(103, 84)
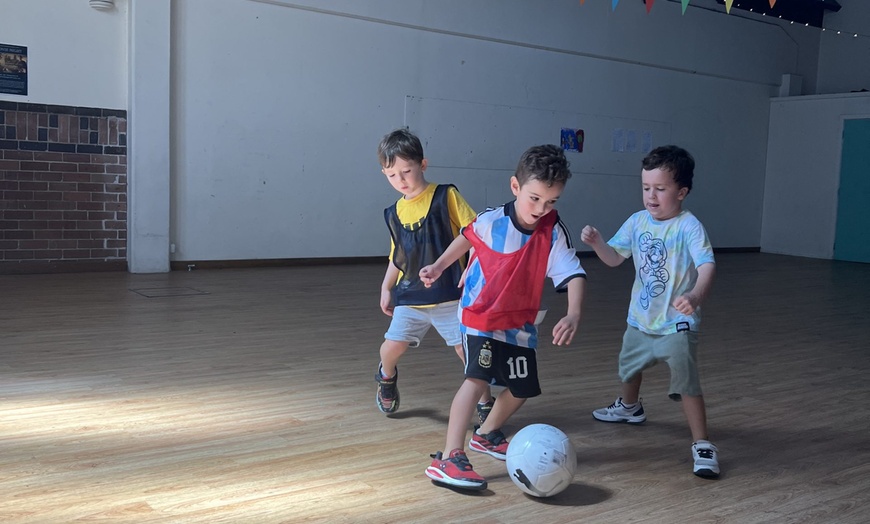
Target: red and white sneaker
point(456, 471)
point(493, 444)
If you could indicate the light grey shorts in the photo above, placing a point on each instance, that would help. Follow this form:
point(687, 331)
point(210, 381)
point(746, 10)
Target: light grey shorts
point(679, 350)
point(410, 324)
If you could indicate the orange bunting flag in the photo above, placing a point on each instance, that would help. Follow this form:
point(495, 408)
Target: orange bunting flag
point(728, 6)
point(649, 4)
point(771, 3)
point(581, 2)
point(614, 5)
point(685, 5)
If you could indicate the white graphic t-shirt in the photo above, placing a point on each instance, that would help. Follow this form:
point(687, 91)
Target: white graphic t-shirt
point(666, 257)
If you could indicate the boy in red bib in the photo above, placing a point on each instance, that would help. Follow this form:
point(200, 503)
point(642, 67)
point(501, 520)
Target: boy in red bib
point(516, 247)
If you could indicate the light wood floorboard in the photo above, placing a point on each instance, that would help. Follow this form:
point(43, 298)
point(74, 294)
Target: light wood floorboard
point(247, 396)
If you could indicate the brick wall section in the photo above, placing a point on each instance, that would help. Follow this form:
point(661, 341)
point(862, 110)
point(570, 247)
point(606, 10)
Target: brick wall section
point(63, 188)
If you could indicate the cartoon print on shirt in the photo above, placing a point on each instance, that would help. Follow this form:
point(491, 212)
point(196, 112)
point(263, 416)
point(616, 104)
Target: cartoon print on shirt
point(652, 273)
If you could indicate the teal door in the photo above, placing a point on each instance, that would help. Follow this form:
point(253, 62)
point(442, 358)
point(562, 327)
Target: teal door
point(852, 238)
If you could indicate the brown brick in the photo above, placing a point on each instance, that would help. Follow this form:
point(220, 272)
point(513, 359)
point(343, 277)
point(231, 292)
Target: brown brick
point(76, 177)
point(61, 204)
point(92, 168)
point(104, 197)
point(10, 165)
point(90, 206)
point(7, 225)
point(32, 126)
point(89, 224)
point(19, 254)
point(113, 130)
point(48, 254)
point(116, 243)
point(118, 207)
point(101, 215)
point(116, 168)
point(42, 119)
point(89, 243)
point(48, 215)
point(18, 195)
point(13, 244)
point(47, 156)
point(33, 224)
point(76, 196)
point(64, 187)
point(91, 187)
point(17, 155)
point(16, 214)
point(76, 253)
point(76, 215)
point(33, 186)
point(78, 158)
point(70, 234)
point(34, 166)
point(104, 159)
point(52, 195)
point(63, 126)
point(8, 185)
point(53, 136)
point(33, 244)
point(62, 244)
point(48, 177)
point(104, 253)
point(34, 204)
point(49, 234)
point(18, 235)
point(63, 166)
point(65, 223)
point(114, 224)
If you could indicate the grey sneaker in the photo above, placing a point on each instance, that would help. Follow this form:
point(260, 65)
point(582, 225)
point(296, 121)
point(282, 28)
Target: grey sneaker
point(617, 412)
point(706, 458)
point(388, 392)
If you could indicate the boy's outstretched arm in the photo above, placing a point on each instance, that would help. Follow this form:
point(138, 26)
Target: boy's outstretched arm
point(390, 278)
point(456, 249)
point(689, 301)
point(566, 328)
point(607, 254)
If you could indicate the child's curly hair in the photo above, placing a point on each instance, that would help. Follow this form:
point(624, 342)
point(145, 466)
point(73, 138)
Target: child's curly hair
point(546, 163)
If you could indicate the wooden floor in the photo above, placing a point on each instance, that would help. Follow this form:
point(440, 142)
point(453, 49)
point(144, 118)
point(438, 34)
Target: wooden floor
point(247, 396)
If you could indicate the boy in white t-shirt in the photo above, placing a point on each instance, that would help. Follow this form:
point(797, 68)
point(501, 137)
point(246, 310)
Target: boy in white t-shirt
point(674, 265)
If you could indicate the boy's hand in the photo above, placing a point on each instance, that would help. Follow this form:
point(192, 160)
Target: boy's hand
point(686, 304)
point(590, 236)
point(429, 274)
point(565, 329)
point(387, 302)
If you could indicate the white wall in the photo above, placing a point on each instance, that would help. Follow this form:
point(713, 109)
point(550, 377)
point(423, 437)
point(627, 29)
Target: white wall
point(278, 109)
point(77, 56)
point(844, 61)
point(803, 172)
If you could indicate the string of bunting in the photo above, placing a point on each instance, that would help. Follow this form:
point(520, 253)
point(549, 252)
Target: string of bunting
point(729, 3)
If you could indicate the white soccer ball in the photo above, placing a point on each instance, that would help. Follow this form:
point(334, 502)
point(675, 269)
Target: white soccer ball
point(541, 460)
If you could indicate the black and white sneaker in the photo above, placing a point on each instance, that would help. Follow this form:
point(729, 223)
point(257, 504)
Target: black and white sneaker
point(706, 459)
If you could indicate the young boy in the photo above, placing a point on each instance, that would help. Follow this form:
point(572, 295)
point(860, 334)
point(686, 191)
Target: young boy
point(675, 268)
point(516, 246)
point(422, 224)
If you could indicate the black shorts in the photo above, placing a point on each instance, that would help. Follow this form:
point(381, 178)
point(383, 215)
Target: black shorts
point(502, 364)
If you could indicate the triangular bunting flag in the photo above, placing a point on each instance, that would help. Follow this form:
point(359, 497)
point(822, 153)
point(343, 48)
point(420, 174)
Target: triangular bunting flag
point(614, 4)
point(771, 3)
point(685, 5)
point(581, 2)
point(649, 4)
point(728, 6)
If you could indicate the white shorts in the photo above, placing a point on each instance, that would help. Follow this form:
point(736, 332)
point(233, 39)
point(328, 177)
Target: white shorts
point(410, 324)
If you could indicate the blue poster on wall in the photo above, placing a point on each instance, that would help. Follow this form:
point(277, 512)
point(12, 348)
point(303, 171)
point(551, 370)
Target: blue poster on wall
point(13, 69)
point(572, 139)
